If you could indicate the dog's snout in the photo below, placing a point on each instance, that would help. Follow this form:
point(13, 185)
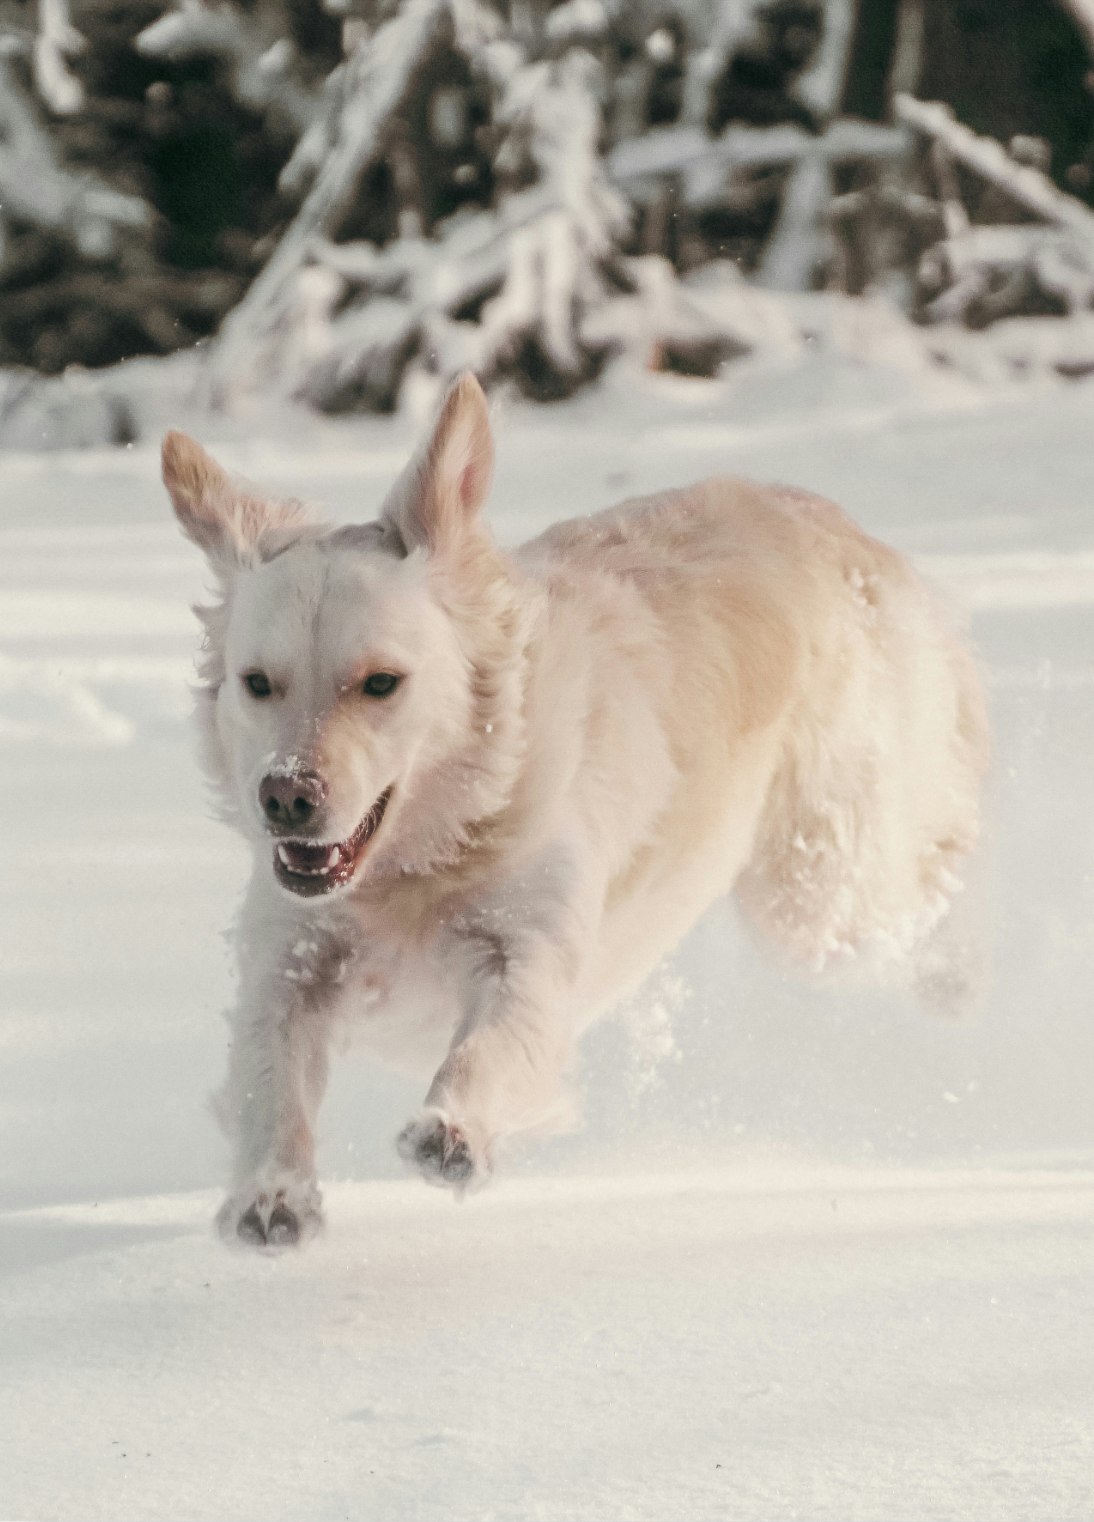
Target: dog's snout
point(290, 800)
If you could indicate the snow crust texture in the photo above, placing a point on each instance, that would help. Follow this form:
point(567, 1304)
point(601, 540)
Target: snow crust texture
point(810, 1254)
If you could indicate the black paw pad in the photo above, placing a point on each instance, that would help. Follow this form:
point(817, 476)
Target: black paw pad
point(429, 1152)
point(440, 1151)
point(250, 1228)
point(284, 1228)
point(458, 1165)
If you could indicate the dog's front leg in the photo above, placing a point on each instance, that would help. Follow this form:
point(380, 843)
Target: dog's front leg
point(503, 1070)
point(501, 1075)
point(277, 1073)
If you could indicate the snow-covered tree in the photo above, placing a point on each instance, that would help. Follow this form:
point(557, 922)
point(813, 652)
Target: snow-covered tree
point(346, 195)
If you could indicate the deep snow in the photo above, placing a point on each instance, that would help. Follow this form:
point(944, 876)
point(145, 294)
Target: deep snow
point(839, 1249)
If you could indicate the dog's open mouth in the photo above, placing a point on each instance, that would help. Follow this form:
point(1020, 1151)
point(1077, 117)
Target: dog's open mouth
point(308, 868)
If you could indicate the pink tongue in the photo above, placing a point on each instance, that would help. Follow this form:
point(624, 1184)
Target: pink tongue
point(303, 858)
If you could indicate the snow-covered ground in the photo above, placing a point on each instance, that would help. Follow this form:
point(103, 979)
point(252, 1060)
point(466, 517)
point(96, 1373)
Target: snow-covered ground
point(813, 1254)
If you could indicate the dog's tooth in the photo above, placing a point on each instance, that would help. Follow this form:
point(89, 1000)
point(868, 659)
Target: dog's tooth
point(283, 857)
point(334, 857)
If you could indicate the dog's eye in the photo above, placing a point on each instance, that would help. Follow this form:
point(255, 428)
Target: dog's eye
point(381, 684)
point(257, 684)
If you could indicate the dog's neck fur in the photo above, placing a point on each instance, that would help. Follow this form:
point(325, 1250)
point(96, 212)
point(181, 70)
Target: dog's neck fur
point(497, 614)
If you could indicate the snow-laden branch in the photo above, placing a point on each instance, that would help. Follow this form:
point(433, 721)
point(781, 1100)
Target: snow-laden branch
point(690, 153)
point(35, 188)
point(260, 58)
point(1082, 12)
point(992, 269)
point(57, 41)
point(536, 252)
point(1026, 186)
point(377, 78)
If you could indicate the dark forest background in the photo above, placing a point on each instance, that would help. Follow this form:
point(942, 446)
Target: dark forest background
point(341, 191)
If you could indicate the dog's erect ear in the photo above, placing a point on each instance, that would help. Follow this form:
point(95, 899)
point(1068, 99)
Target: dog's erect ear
point(199, 490)
point(222, 517)
point(442, 489)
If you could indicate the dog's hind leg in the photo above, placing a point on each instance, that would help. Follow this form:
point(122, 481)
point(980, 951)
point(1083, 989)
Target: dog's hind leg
point(871, 816)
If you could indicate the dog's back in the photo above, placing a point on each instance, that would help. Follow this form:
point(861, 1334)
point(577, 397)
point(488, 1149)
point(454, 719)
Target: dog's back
point(823, 729)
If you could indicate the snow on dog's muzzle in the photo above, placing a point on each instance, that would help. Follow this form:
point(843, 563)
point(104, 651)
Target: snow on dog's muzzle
point(309, 867)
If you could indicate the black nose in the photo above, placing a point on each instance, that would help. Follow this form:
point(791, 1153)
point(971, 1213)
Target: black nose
point(289, 800)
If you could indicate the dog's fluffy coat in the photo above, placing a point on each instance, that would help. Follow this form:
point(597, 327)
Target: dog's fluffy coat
point(724, 686)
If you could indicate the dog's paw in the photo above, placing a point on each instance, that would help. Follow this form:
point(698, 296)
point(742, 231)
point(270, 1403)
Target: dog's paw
point(281, 1217)
point(443, 1151)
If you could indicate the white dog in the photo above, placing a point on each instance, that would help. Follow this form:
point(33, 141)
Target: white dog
point(488, 792)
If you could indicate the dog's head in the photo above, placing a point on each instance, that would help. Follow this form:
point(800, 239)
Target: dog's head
point(362, 687)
